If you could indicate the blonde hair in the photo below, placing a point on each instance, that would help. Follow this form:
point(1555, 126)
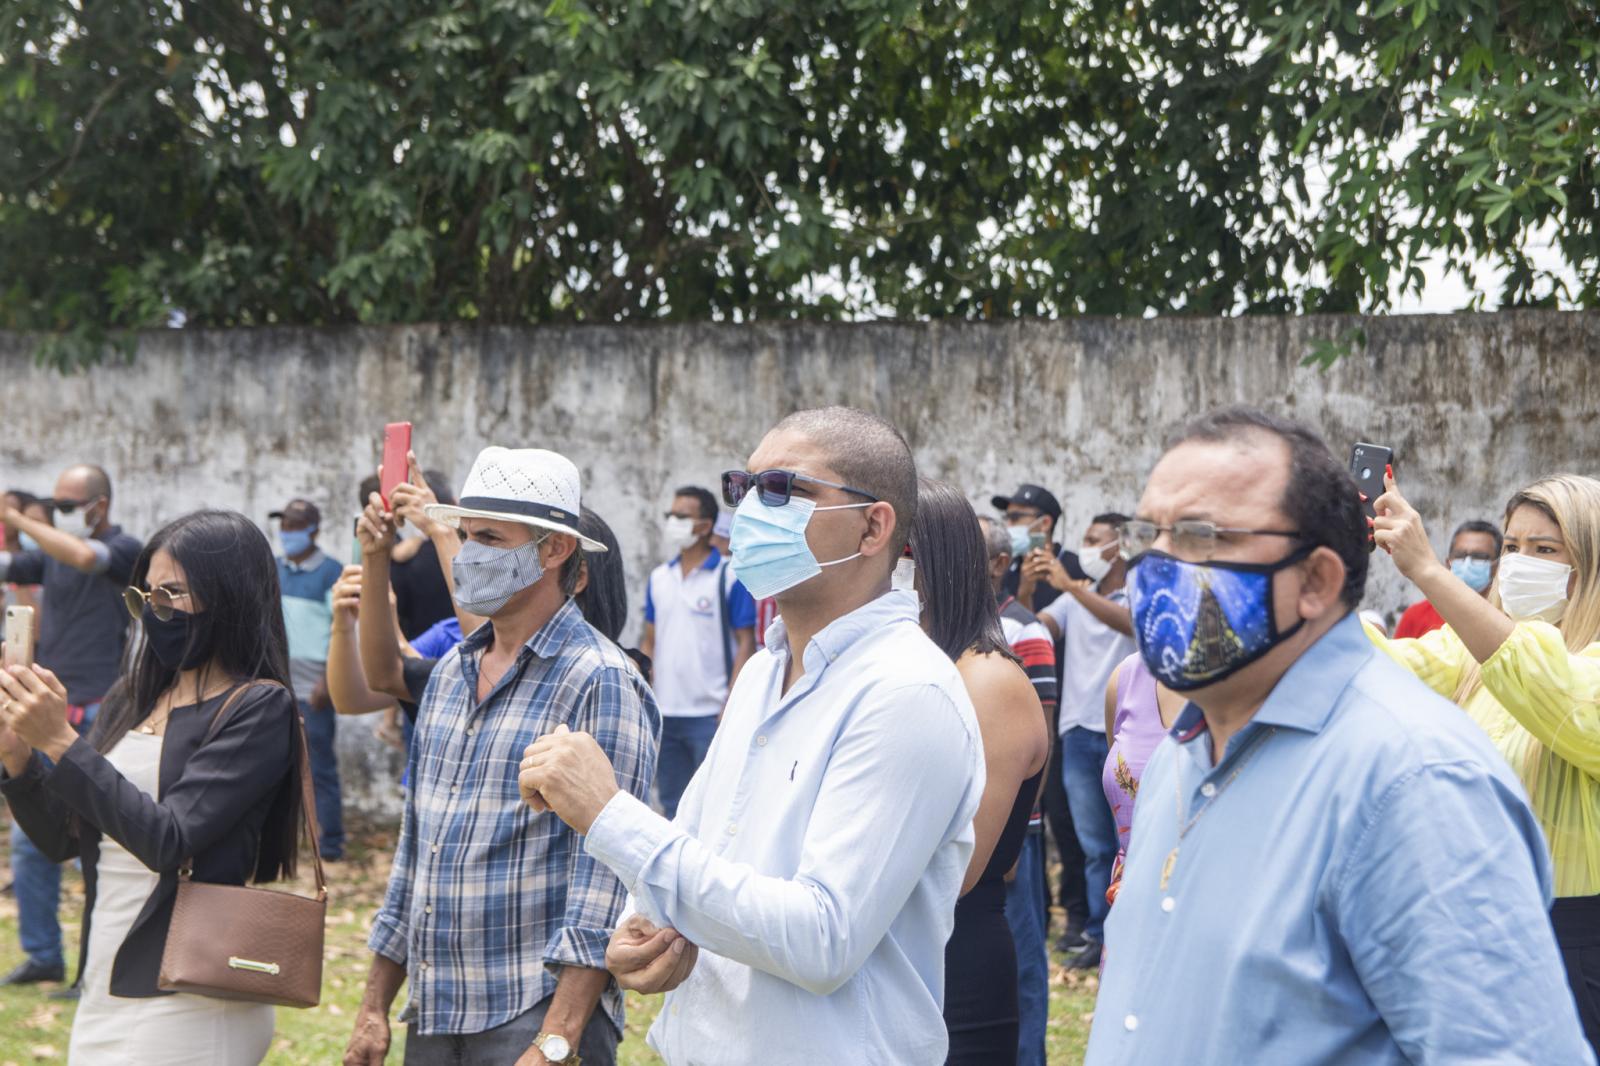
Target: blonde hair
point(1572, 502)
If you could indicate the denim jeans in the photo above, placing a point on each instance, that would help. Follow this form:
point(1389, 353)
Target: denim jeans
point(322, 730)
point(1083, 760)
point(504, 1044)
point(1025, 913)
point(37, 883)
point(684, 743)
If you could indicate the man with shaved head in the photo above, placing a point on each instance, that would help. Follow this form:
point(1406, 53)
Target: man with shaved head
point(83, 565)
point(798, 905)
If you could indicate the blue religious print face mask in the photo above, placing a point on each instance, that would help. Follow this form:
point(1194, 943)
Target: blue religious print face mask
point(768, 544)
point(1197, 623)
point(1474, 573)
point(487, 578)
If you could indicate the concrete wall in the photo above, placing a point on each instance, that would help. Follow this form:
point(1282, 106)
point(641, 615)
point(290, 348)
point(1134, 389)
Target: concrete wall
point(1475, 405)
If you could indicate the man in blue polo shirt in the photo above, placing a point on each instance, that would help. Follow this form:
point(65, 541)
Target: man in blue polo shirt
point(306, 577)
point(699, 630)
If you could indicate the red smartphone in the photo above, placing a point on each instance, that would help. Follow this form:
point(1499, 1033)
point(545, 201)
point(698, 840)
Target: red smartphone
point(396, 443)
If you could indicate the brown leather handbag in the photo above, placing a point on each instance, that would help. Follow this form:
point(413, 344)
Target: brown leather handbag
point(246, 943)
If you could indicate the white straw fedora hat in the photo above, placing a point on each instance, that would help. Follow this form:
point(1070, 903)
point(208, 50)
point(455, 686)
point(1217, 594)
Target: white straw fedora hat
point(528, 485)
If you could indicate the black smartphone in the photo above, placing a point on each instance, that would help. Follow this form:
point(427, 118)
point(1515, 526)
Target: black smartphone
point(1367, 464)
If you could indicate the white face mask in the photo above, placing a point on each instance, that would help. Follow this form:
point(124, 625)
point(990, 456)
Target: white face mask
point(678, 532)
point(1094, 564)
point(1533, 588)
point(904, 577)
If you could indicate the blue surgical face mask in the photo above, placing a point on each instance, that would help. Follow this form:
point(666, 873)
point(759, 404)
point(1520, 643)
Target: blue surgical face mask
point(768, 544)
point(296, 541)
point(486, 578)
point(1020, 538)
point(1198, 623)
point(1474, 572)
point(27, 543)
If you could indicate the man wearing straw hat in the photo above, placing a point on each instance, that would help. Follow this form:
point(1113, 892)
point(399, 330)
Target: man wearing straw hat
point(495, 915)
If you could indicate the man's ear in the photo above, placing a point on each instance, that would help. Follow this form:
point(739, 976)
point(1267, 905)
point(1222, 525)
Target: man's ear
point(558, 548)
point(1323, 587)
point(880, 529)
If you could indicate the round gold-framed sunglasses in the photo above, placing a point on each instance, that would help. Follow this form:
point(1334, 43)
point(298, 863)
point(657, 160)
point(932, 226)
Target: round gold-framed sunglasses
point(161, 599)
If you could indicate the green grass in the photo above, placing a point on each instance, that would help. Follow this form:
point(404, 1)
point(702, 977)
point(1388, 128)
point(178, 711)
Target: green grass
point(35, 1029)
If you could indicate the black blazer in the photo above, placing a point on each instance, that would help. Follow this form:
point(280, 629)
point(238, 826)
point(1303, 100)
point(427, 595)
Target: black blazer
point(214, 802)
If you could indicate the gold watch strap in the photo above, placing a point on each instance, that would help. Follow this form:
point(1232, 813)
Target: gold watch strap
point(572, 1059)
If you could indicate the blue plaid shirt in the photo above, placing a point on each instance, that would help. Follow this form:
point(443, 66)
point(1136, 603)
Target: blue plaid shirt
point(487, 899)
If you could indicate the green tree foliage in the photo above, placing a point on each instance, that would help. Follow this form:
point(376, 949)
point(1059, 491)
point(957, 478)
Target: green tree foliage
point(304, 161)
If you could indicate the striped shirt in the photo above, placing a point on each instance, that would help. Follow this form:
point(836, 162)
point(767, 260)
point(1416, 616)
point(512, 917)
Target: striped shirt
point(487, 900)
point(1031, 642)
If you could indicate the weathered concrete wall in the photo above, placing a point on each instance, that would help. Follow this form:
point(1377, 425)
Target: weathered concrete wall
point(1475, 405)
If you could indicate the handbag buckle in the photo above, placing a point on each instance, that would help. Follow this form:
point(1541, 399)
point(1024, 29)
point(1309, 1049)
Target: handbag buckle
point(236, 963)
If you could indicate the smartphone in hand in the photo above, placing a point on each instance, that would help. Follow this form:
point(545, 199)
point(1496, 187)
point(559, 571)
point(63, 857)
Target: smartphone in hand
point(1367, 465)
point(395, 469)
point(19, 636)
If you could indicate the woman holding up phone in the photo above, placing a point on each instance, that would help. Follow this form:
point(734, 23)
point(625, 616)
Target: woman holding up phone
point(193, 759)
point(1525, 664)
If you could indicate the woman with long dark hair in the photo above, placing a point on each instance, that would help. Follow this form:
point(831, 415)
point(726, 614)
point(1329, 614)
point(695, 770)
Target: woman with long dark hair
point(192, 761)
point(960, 614)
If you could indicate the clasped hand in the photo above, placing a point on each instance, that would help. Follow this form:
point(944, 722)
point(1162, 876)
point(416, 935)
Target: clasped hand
point(648, 960)
point(568, 773)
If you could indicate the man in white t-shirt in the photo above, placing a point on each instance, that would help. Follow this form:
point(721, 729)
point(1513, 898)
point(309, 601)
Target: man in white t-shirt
point(1097, 629)
point(699, 629)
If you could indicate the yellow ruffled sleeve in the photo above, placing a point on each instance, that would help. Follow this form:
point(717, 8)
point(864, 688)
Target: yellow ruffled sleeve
point(1437, 658)
point(1553, 693)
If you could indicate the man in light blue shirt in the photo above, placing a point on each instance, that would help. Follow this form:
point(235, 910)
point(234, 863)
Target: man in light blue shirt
point(1328, 863)
point(797, 908)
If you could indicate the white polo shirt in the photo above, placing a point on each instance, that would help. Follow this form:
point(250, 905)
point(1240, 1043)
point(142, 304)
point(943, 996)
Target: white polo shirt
point(1091, 652)
point(691, 670)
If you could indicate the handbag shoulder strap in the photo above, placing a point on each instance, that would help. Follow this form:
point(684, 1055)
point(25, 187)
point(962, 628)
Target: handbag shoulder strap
point(308, 809)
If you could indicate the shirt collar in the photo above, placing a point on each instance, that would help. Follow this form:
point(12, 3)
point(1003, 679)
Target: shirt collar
point(544, 643)
point(710, 564)
point(310, 562)
point(1305, 696)
point(838, 635)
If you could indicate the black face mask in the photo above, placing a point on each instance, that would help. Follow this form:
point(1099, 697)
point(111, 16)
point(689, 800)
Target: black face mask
point(170, 639)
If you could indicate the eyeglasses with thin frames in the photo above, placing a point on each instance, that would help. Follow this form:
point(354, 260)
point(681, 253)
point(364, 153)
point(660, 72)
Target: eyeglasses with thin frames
point(1192, 539)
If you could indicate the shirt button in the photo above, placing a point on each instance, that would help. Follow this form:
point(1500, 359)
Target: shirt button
point(424, 966)
point(761, 741)
point(1131, 1022)
point(454, 789)
point(428, 909)
point(436, 849)
point(1168, 903)
point(1208, 790)
point(471, 730)
point(732, 829)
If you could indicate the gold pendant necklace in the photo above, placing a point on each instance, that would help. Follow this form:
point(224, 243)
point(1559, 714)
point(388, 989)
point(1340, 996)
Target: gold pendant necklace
point(1177, 795)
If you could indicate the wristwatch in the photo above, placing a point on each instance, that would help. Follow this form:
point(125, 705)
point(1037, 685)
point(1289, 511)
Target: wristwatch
point(555, 1049)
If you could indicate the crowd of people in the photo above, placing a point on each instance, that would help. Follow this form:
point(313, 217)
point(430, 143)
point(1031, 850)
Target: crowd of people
point(869, 744)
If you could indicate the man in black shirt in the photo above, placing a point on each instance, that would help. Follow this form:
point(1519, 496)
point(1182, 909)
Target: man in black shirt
point(1031, 516)
point(83, 567)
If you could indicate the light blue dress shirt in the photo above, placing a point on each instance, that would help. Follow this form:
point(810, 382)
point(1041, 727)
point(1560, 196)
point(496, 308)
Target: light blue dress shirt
point(1371, 888)
point(817, 854)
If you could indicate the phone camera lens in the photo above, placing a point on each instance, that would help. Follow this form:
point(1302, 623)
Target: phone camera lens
point(1366, 473)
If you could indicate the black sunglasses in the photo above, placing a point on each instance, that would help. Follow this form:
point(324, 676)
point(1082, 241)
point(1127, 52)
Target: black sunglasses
point(774, 486)
point(68, 506)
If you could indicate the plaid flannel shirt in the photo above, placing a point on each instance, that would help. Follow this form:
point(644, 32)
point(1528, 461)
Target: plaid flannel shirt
point(487, 899)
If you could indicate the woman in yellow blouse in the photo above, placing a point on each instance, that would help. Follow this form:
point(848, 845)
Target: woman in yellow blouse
point(1525, 664)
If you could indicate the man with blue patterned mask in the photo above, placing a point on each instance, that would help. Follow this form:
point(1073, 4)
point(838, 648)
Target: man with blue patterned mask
point(1318, 843)
point(1474, 558)
point(801, 898)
